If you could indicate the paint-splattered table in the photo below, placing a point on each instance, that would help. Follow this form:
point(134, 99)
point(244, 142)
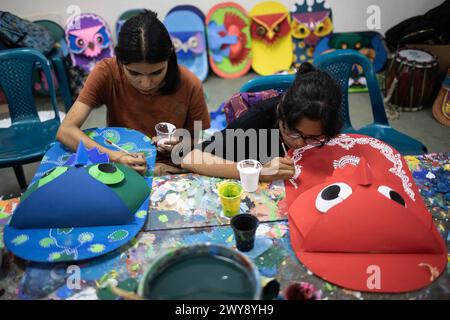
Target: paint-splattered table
point(190, 200)
point(185, 210)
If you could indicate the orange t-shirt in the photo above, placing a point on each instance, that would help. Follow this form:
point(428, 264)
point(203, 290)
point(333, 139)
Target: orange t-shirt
point(127, 107)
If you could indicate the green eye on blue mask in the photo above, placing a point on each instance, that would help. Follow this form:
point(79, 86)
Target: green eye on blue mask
point(106, 173)
point(51, 175)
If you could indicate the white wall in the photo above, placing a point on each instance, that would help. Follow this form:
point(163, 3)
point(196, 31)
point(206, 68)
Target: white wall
point(348, 15)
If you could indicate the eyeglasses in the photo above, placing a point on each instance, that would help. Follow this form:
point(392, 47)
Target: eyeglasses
point(311, 140)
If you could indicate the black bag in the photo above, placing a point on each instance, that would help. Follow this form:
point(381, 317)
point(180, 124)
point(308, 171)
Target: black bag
point(17, 33)
point(431, 28)
point(77, 76)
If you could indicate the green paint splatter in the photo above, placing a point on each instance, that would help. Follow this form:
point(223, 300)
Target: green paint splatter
point(141, 214)
point(4, 215)
point(46, 242)
point(163, 218)
point(278, 231)
point(273, 257)
point(329, 287)
point(133, 242)
point(85, 237)
point(19, 240)
point(61, 256)
point(91, 134)
point(106, 277)
point(273, 207)
point(112, 136)
point(129, 146)
point(55, 256)
point(150, 252)
point(97, 248)
point(135, 267)
point(118, 235)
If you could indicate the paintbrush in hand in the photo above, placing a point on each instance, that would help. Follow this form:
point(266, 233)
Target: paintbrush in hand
point(292, 181)
point(120, 148)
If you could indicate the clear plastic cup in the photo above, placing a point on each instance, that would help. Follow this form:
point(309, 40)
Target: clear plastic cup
point(249, 171)
point(164, 132)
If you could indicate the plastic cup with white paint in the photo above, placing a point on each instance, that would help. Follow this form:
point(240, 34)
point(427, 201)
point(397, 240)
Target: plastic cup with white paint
point(249, 171)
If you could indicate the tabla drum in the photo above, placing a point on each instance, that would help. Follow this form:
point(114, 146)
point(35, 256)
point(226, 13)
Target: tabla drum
point(411, 78)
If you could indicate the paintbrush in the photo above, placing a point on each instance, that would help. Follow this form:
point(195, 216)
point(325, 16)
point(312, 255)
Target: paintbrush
point(294, 184)
point(120, 148)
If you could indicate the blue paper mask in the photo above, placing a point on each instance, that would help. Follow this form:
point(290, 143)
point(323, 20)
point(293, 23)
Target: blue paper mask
point(84, 208)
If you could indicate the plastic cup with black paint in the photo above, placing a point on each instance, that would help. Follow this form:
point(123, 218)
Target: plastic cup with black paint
point(244, 227)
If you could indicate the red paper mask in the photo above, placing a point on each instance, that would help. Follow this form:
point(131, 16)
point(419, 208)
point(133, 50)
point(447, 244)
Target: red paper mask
point(270, 27)
point(358, 220)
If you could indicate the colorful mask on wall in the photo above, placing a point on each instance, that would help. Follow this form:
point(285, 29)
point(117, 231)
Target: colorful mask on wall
point(124, 17)
point(311, 21)
point(368, 43)
point(186, 25)
point(81, 209)
point(89, 40)
point(271, 38)
point(358, 219)
point(229, 40)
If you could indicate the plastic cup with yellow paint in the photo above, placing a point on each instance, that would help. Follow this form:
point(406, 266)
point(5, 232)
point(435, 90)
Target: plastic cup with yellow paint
point(230, 195)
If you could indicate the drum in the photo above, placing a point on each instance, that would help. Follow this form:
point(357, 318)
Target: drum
point(410, 79)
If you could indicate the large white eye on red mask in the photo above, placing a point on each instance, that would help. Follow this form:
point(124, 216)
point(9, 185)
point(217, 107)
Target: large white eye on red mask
point(332, 195)
point(392, 195)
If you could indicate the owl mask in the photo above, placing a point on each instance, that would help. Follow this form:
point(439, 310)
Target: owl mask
point(311, 27)
point(186, 26)
point(187, 44)
point(311, 21)
point(270, 27)
point(89, 40)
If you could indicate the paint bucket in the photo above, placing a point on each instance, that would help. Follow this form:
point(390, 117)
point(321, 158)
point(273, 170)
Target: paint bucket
point(201, 272)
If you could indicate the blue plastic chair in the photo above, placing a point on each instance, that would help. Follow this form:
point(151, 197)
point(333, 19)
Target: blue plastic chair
point(279, 82)
point(57, 59)
point(339, 65)
point(28, 138)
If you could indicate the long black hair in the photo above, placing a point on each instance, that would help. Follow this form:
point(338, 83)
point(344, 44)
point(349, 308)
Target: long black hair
point(144, 38)
point(314, 95)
